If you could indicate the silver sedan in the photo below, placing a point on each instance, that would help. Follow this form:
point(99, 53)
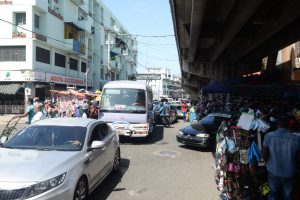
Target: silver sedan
point(58, 159)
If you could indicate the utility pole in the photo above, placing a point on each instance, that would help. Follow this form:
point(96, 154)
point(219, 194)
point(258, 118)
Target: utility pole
point(108, 52)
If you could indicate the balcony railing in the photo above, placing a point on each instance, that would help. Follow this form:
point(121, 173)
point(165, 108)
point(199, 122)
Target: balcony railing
point(56, 14)
point(18, 35)
point(39, 37)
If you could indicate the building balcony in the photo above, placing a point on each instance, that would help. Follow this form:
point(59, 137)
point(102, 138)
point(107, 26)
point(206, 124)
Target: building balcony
point(39, 37)
point(72, 46)
point(85, 24)
point(55, 13)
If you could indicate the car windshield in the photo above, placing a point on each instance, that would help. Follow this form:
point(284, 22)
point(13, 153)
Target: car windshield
point(124, 100)
point(60, 138)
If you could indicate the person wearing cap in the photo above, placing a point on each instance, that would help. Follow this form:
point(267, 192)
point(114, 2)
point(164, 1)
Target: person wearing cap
point(281, 151)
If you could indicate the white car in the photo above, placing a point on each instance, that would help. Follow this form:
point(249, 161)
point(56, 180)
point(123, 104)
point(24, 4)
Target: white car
point(58, 159)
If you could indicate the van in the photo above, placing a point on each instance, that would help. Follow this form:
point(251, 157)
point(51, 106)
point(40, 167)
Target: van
point(127, 106)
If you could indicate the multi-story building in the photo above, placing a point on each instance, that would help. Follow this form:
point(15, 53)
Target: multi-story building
point(168, 85)
point(59, 43)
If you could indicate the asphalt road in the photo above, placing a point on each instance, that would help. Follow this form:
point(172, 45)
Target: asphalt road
point(160, 169)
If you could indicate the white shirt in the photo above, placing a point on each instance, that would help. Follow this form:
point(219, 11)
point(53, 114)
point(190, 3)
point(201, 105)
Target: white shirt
point(38, 116)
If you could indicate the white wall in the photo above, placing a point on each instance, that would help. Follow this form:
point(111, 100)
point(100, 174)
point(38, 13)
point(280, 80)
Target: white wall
point(53, 28)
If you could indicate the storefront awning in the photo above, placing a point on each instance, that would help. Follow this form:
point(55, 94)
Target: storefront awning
point(9, 88)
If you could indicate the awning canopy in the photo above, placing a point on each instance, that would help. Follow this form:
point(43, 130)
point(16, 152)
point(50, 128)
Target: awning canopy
point(9, 88)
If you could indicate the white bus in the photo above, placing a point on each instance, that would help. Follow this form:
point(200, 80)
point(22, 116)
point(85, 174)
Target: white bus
point(128, 107)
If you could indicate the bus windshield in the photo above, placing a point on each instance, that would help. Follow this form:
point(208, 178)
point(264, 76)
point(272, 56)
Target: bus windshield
point(125, 100)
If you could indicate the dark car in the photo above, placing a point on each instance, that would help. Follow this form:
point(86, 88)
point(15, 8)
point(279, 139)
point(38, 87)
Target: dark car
point(203, 133)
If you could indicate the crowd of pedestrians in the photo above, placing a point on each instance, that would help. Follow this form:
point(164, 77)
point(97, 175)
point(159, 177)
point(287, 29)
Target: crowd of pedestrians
point(38, 110)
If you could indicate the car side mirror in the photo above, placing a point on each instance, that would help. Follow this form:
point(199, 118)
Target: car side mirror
point(97, 145)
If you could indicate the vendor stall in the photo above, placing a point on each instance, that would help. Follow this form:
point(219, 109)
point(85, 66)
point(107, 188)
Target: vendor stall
point(66, 101)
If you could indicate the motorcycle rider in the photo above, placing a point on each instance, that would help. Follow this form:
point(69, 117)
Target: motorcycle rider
point(164, 112)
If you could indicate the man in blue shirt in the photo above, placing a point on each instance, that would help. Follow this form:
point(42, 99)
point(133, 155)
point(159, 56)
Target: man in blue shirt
point(282, 153)
point(29, 112)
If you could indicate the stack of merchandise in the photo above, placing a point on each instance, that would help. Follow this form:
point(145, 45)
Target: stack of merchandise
point(240, 173)
point(228, 103)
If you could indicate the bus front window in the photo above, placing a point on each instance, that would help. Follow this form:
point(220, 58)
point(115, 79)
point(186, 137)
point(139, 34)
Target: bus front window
point(123, 100)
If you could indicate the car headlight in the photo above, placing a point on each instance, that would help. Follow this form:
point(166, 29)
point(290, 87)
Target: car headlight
point(203, 135)
point(180, 133)
point(44, 186)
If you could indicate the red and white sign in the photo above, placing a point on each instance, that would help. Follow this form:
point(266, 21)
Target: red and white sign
point(53, 78)
point(32, 76)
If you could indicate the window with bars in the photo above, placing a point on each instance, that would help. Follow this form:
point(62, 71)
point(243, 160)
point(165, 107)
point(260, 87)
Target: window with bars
point(102, 74)
point(73, 64)
point(83, 67)
point(60, 60)
point(36, 21)
point(42, 55)
point(20, 18)
point(12, 53)
point(117, 76)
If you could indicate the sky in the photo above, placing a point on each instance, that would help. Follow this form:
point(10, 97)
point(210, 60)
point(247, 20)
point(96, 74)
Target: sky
point(149, 17)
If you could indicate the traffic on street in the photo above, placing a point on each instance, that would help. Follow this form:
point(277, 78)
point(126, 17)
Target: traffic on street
point(149, 100)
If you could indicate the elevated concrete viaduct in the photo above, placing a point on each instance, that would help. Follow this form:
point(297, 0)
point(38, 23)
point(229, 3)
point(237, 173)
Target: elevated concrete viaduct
point(219, 39)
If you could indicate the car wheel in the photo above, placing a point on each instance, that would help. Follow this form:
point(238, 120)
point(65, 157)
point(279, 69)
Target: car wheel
point(81, 191)
point(117, 161)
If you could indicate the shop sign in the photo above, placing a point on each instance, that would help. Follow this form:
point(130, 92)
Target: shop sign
point(22, 76)
point(64, 80)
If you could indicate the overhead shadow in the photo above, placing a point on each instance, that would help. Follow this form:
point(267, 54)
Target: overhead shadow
point(156, 136)
point(109, 185)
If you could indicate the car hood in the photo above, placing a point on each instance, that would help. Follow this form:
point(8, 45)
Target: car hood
point(21, 166)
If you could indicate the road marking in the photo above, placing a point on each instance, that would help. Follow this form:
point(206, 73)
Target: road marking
point(167, 153)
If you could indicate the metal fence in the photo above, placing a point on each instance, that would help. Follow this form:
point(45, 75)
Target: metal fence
point(12, 109)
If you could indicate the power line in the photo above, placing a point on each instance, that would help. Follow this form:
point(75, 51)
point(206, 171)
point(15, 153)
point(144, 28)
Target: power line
point(156, 44)
point(154, 36)
point(163, 59)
